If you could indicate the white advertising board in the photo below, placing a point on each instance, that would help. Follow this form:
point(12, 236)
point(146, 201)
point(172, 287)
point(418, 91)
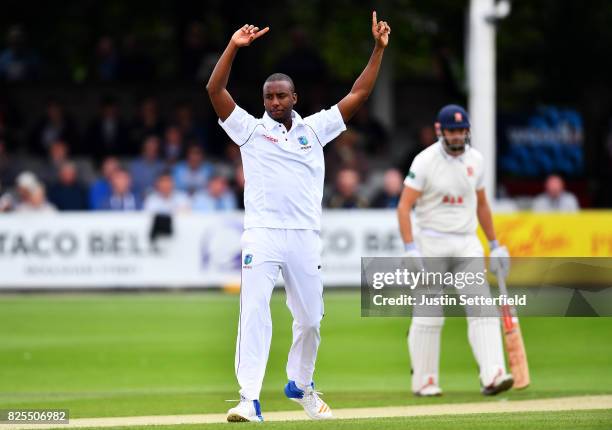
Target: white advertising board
point(110, 250)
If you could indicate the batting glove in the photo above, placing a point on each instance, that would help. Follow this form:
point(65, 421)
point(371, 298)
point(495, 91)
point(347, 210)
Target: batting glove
point(414, 257)
point(499, 259)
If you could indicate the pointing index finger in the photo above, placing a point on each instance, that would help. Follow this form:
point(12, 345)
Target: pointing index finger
point(262, 32)
point(374, 18)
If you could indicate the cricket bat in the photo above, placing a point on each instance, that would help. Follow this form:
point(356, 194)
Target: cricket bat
point(517, 356)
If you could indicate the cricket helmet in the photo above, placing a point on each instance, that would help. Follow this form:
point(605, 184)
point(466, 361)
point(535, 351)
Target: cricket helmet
point(453, 116)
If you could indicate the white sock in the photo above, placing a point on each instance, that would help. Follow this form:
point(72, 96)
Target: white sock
point(424, 348)
point(484, 334)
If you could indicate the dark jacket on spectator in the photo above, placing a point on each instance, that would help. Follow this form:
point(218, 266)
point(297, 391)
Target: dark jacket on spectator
point(384, 200)
point(69, 197)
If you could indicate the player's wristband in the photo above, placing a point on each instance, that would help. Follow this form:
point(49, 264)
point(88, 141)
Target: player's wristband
point(493, 244)
point(411, 246)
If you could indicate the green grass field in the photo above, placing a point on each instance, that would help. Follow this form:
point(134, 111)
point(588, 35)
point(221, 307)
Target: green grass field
point(173, 353)
point(576, 420)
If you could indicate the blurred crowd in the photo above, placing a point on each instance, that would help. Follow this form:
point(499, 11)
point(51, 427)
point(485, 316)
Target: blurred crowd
point(181, 161)
point(164, 165)
point(114, 164)
point(108, 160)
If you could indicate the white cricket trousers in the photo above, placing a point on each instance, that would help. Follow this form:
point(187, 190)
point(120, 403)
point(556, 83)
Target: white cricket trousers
point(484, 332)
point(265, 253)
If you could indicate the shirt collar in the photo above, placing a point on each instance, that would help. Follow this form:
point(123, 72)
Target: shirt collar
point(269, 123)
point(449, 157)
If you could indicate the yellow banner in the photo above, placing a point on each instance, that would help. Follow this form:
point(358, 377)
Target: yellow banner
point(529, 234)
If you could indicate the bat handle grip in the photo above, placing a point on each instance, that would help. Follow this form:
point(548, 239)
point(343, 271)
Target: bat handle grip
point(507, 312)
point(501, 282)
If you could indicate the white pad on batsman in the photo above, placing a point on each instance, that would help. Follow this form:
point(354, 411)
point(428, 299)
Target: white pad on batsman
point(485, 338)
point(424, 348)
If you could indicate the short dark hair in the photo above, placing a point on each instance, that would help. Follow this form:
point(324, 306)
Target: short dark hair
point(166, 173)
point(280, 77)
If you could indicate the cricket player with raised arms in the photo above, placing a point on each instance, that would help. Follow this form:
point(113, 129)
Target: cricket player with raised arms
point(282, 156)
point(445, 184)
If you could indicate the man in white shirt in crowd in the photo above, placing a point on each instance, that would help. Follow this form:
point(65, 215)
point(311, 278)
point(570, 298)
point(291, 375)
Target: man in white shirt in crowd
point(193, 174)
point(165, 199)
point(555, 198)
point(446, 185)
point(282, 155)
point(217, 196)
point(36, 201)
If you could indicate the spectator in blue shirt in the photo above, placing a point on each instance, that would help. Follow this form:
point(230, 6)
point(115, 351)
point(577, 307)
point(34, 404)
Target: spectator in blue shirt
point(193, 174)
point(100, 190)
point(145, 169)
point(216, 197)
point(121, 197)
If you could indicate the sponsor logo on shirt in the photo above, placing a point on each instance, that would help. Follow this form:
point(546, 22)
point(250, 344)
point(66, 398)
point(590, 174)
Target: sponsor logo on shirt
point(270, 138)
point(452, 200)
point(248, 260)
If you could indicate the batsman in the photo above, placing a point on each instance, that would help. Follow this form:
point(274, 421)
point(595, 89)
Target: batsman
point(445, 184)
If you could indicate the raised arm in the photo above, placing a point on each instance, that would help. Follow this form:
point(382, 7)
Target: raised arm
point(365, 82)
point(222, 101)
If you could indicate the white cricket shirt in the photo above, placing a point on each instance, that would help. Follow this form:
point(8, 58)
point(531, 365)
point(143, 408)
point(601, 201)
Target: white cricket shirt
point(448, 185)
point(283, 169)
point(175, 202)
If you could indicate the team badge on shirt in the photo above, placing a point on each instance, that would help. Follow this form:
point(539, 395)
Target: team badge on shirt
point(411, 175)
point(470, 171)
point(304, 146)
